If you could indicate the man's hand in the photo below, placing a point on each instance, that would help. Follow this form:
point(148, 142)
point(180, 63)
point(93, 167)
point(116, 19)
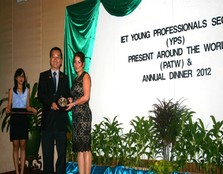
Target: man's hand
point(54, 106)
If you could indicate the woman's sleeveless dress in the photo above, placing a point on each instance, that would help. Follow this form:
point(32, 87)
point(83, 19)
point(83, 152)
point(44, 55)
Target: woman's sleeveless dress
point(82, 118)
point(19, 122)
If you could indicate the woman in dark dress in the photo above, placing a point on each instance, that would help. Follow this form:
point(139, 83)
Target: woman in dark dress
point(18, 104)
point(81, 115)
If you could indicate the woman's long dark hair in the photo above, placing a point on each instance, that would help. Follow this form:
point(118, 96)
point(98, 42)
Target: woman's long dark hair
point(19, 72)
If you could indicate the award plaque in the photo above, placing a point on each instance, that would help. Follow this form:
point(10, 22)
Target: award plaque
point(62, 102)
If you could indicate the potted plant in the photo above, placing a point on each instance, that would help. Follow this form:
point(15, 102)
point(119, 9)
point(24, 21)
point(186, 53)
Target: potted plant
point(168, 118)
point(33, 142)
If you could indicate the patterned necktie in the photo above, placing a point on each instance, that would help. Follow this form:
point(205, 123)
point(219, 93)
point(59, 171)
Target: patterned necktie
point(54, 81)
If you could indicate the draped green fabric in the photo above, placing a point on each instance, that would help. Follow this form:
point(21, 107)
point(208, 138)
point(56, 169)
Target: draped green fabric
point(80, 28)
point(120, 7)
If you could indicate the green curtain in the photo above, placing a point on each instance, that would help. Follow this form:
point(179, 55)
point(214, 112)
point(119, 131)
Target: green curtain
point(120, 7)
point(81, 24)
point(80, 28)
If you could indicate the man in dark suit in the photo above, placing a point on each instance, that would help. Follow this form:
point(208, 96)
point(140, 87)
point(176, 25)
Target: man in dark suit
point(53, 84)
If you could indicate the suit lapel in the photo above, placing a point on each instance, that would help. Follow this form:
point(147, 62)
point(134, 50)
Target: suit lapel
point(50, 80)
point(61, 76)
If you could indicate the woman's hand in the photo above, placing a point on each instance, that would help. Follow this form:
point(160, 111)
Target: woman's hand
point(34, 110)
point(70, 100)
point(70, 106)
point(7, 110)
